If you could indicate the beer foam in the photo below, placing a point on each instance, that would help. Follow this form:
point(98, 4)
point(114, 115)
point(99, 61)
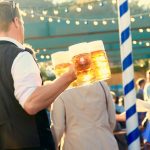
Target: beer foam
point(77, 49)
point(60, 57)
point(96, 45)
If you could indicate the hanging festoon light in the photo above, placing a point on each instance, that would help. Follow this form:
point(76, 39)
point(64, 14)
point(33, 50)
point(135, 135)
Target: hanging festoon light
point(24, 13)
point(95, 23)
point(32, 15)
point(42, 18)
point(133, 135)
point(44, 50)
point(47, 57)
point(140, 42)
point(90, 7)
point(78, 9)
point(42, 57)
point(66, 10)
point(141, 30)
point(77, 22)
point(32, 11)
point(147, 44)
point(148, 29)
point(100, 3)
point(56, 12)
point(114, 2)
point(113, 21)
point(44, 12)
point(104, 22)
point(67, 21)
point(132, 19)
point(50, 19)
point(85, 22)
point(58, 20)
point(134, 42)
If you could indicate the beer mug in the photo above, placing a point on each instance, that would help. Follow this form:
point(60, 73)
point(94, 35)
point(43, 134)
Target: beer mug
point(99, 60)
point(81, 58)
point(61, 62)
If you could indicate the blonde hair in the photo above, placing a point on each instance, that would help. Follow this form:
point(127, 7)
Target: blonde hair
point(8, 11)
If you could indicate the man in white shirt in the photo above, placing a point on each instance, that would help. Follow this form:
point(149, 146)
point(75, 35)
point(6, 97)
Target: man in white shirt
point(23, 120)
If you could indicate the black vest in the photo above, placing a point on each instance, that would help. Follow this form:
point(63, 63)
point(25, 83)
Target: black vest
point(18, 129)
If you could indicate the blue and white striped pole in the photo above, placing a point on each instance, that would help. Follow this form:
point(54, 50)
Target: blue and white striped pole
point(128, 75)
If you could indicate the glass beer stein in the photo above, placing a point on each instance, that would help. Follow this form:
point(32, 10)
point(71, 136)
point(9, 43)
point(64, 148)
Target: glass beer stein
point(100, 63)
point(81, 59)
point(61, 62)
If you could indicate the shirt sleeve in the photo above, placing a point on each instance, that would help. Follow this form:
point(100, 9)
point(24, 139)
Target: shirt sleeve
point(58, 120)
point(26, 76)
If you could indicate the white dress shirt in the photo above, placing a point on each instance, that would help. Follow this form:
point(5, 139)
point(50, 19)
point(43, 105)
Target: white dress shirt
point(25, 73)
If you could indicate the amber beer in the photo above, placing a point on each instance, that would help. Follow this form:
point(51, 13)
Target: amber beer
point(100, 63)
point(81, 58)
point(61, 62)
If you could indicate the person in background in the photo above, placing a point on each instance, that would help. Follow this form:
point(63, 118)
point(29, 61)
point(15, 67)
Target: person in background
point(147, 86)
point(23, 99)
point(140, 95)
point(83, 118)
point(146, 132)
point(140, 88)
point(119, 108)
point(120, 123)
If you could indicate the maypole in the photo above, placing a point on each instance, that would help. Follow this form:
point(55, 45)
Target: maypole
point(128, 75)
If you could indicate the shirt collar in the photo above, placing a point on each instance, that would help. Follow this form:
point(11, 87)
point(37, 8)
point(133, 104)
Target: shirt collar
point(13, 41)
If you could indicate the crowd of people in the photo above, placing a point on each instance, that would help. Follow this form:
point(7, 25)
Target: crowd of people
point(82, 118)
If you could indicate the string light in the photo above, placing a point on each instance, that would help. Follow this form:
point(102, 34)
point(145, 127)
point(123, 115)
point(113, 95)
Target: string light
point(132, 19)
point(140, 43)
point(95, 23)
point(42, 18)
point(47, 57)
point(147, 44)
point(50, 19)
point(44, 12)
point(85, 22)
point(113, 21)
point(56, 12)
point(148, 29)
point(141, 30)
point(32, 11)
point(24, 13)
point(104, 22)
point(46, 16)
point(66, 10)
point(134, 42)
point(58, 20)
point(78, 9)
point(90, 7)
point(114, 2)
point(32, 15)
point(77, 22)
point(100, 4)
point(68, 21)
point(42, 56)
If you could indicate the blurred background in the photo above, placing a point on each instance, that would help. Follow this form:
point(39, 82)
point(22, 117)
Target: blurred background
point(53, 25)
